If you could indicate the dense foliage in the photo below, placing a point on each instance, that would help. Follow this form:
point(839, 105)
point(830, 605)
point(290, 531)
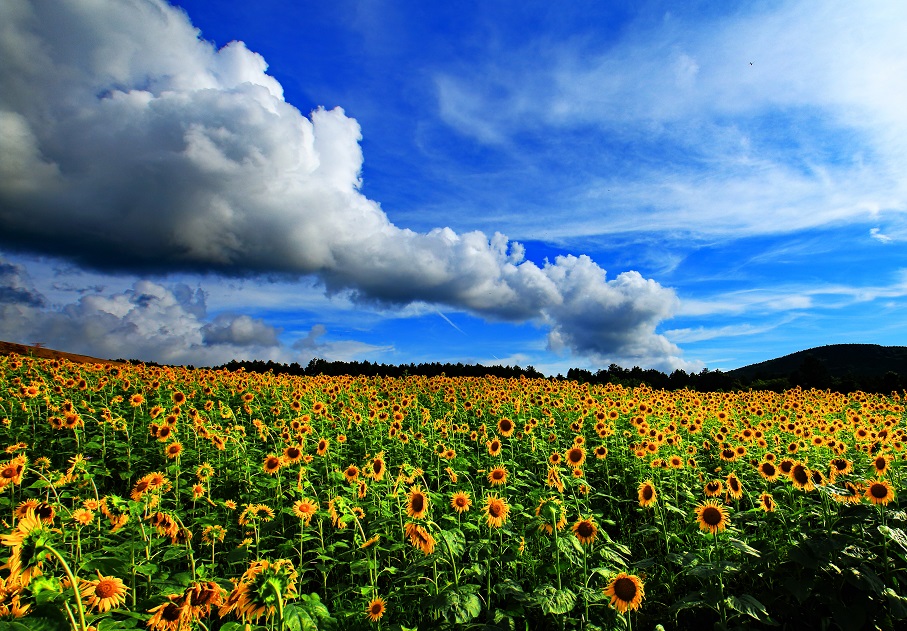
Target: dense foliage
point(173, 499)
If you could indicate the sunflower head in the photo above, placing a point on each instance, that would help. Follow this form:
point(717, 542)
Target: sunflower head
point(552, 513)
point(626, 592)
point(712, 517)
point(647, 495)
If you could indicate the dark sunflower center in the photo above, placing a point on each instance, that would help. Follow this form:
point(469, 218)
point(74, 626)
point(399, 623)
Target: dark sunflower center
point(585, 529)
point(574, 455)
point(105, 589)
point(494, 510)
point(800, 475)
point(647, 493)
point(171, 613)
point(768, 469)
point(878, 491)
point(711, 516)
point(625, 589)
point(497, 474)
point(881, 463)
point(418, 503)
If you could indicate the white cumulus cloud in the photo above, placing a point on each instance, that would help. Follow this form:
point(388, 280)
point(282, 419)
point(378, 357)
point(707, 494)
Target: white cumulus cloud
point(132, 145)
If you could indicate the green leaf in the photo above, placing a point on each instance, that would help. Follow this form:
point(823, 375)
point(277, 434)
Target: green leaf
point(750, 606)
point(897, 604)
point(744, 547)
point(553, 600)
point(895, 534)
point(459, 605)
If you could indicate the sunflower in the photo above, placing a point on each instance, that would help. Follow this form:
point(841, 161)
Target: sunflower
point(734, 488)
point(417, 503)
point(506, 427)
point(460, 501)
point(204, 471)
point(575, 456)
point(199, 598)
point(880, 464)
point(305, 509)
point(839, 466)
point(169, 616)
point(271, 464)
point(601, 452)
point(256, 593)
point(376, 468)
point(675, 462)
point(767, 502)
point(82, 516)
point(626, 592)
point(322, 448)
point(712, 516)
point(768, 471)
point(646, 493)
point(713, 488)
point(420, 538)
point(376, 608)
point(494, 447)
point(292, 454)
point(497, 476)
point(585, 530)
point(496, 510)
point(552, 513)
point(351, 473)
point(104, 594)
point(554, 479)
point(879, 492)
point(799, 475)
point(173, 450)
point(555, 458)
point(27, 548)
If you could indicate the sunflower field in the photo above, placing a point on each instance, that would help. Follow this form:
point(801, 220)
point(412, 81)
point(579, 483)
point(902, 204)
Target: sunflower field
point(172, 499)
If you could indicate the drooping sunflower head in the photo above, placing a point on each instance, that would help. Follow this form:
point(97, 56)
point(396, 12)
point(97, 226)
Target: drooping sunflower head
point(420, 538)
point(734, 487)
point(626, 592)
point(553, 514)
point(767, 503)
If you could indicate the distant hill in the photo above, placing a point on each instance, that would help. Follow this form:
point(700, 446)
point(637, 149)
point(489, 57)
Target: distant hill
point(7, 348)
point(837, 360)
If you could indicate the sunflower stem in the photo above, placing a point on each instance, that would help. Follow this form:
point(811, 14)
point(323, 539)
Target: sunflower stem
point(73, 581)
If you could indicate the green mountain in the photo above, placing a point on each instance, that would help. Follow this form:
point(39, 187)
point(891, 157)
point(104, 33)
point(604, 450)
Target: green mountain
point(835, 360)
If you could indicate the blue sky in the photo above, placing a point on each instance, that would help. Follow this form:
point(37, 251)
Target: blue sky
point(670, 185)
